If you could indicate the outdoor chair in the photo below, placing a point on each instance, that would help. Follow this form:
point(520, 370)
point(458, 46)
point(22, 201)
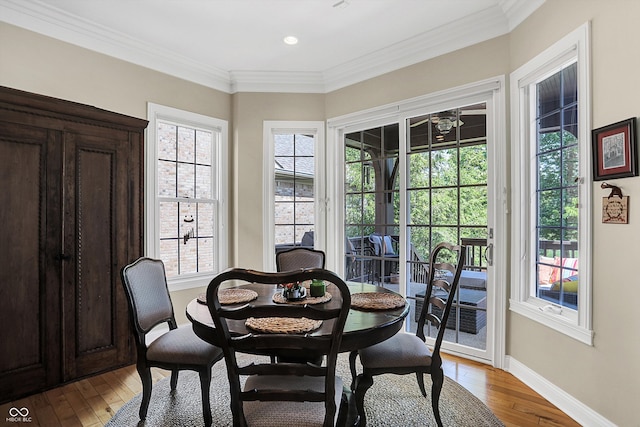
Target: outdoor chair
point(177, 349)
point(406, 353)
point(279, 394)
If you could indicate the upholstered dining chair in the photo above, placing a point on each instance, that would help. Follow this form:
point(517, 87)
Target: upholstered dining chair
point(297, 258)
point(282, 394)
point(177, 349)
point(407, 353)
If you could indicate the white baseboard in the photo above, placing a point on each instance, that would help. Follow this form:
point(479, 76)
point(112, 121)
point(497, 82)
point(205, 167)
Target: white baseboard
point(571, 406)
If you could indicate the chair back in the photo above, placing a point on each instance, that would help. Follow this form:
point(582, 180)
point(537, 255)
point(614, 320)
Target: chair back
point(145, 285)
point(441, 290)
point(297, 258)
point(235, 336)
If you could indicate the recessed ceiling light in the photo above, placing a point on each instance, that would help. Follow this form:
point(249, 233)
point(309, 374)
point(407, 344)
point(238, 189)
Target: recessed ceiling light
point(291, 40)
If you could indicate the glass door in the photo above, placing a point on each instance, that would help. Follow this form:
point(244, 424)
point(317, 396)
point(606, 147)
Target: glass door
point(447, 200)
point(445, 196)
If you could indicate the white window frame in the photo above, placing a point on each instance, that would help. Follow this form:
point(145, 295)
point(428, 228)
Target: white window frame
point(219, 187)
point(271, 128)
point(573, 323)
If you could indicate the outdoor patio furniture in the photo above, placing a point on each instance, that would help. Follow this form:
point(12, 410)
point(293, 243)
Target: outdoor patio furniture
point(471, 319)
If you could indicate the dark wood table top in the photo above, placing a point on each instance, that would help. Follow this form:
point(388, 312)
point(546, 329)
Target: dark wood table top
point(363, 328)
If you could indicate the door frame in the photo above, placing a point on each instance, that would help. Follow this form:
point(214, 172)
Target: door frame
point(492, 92)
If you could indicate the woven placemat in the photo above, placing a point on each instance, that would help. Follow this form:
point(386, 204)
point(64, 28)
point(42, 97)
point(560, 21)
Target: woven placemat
point(376, 301)
point(278, 298)
point(282, 325)
point(231, 296)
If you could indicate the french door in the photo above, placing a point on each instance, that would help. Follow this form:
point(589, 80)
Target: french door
point(410, 182)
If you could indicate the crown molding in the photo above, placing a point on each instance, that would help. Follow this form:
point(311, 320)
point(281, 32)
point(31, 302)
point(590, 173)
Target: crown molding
point(459, 34)
point(45, 19)
point(517, 11)
point(277, 81)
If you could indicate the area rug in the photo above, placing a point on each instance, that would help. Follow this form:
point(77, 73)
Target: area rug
point(392, 401)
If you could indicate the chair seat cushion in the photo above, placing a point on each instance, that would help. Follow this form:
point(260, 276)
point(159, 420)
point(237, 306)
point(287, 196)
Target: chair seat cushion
point(401, 350)
point(278, 414)
point(182, 346)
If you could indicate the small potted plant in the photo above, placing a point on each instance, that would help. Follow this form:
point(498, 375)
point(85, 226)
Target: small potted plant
point(294, 291)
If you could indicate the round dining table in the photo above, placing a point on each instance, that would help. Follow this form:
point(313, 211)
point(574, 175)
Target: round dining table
point(363, 328)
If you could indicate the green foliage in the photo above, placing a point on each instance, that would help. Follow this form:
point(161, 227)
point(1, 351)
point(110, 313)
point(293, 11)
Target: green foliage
point(447, 195)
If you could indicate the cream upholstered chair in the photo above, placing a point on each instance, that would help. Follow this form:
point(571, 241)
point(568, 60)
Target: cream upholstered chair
point(297, 258)
point(150, 305)
point(282, 394)
point(406, 353)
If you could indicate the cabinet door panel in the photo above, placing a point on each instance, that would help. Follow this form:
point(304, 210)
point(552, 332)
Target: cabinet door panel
point(95, 227)
point(29, 353)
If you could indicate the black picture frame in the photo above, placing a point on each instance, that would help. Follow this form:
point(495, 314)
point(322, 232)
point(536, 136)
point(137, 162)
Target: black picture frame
point(615, 150)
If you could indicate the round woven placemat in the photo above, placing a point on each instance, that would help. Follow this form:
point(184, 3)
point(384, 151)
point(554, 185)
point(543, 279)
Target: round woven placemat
point(231, 296)
point(278, 298)
point(376, 301)
point(282, 325)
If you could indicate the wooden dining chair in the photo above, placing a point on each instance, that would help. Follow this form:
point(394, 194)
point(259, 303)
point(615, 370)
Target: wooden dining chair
point(297, 258)
point(407, 353)
point(279, 394)
point(177, 349)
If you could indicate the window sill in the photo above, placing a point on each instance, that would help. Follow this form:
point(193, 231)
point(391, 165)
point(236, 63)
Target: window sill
point(190, 282)
point(565, 324)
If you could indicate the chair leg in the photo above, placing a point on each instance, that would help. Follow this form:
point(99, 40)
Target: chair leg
point(420, 378)
point(437, 378)
point(174, 379)
point(363, 383)
point(205, 383)
point(352, 366)
point(147, 384)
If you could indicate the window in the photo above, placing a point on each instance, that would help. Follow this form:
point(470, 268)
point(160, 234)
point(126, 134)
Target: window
point(294, 190)
point(551, 246)
point(293, 193)
point(185, 195)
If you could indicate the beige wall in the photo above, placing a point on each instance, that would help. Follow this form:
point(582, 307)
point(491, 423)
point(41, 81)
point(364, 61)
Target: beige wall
point(34, 63)
point(479, 62)
point(250, 110)
point(606, 376)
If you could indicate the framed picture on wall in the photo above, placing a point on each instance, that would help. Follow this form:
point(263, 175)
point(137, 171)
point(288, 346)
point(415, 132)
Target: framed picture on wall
point(615, 151)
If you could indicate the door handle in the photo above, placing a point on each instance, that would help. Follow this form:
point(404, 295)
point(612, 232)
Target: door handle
point(488, 254)
point(63, 257)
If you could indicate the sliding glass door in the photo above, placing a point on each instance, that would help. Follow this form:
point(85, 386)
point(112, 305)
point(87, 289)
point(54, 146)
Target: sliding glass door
point(409, 185)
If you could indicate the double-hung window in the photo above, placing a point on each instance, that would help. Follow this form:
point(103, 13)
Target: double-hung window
point(551, 205)
point(186, 193)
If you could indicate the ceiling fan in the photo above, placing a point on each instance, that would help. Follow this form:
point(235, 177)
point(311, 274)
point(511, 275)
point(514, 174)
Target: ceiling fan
point(447, 120)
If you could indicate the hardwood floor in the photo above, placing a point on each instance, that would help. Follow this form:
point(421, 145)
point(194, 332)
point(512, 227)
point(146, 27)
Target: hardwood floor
point(93, 401)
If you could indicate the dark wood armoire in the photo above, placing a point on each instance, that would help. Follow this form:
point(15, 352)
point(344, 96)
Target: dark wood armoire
point(71, 216)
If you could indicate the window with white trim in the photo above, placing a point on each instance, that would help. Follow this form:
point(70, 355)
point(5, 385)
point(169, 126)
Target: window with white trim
point(552, 198)
point(293, 190)
point(185, 195)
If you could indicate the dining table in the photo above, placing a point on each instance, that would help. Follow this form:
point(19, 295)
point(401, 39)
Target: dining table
point(364, 327)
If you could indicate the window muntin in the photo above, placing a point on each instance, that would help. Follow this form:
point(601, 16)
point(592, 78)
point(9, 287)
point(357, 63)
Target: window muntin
point(187, 216)
point(294, 189)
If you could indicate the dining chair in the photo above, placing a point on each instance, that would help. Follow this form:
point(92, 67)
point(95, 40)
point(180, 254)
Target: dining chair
point(283, 393)
point(177, 349)
point(297, 258)
point(407, 353)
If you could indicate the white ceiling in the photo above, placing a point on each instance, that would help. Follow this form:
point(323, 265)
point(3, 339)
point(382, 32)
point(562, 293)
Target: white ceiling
point(237, 45)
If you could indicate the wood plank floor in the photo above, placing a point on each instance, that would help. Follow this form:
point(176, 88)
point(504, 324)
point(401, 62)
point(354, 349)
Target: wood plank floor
point(93, 401)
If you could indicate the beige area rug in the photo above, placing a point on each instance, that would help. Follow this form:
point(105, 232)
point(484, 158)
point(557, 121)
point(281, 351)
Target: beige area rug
point(392, 401)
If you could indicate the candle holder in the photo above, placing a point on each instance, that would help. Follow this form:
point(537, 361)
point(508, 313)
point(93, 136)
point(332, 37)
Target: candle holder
point(317, 288)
